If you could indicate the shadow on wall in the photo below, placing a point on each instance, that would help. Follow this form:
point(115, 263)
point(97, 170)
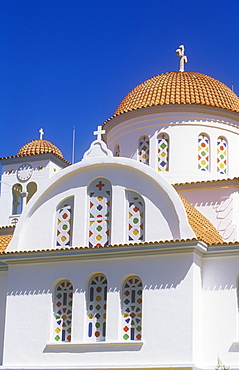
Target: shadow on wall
point(163, 273)
point(94, 347)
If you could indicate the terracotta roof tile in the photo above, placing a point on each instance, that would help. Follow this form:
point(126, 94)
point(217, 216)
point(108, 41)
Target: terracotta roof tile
point(39, 147)
point(4, 241)
point(179, 88)
point(202, 227)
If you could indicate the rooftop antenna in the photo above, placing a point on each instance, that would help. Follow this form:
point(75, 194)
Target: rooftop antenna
point(232, 86)
point(73, 144)
point(183, 58)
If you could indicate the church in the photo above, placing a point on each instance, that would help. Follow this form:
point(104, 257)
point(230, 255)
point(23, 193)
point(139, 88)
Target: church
point(128, 259)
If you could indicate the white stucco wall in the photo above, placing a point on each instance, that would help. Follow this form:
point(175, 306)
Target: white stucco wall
point(3, 297)
point(183, 124)
point(169, 309)
point(219, 203)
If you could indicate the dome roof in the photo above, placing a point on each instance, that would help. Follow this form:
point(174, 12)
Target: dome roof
point(39, 147)
point(180, 88)
point(202, 227)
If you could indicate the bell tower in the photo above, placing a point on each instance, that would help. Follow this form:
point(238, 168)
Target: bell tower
point(26, 173)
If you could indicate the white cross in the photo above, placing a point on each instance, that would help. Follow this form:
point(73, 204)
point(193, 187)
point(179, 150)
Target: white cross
point(183, 58)
point(99, 133)
point(41, 133)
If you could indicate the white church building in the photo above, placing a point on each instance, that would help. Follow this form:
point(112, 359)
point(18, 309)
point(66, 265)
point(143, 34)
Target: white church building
point(128, 259)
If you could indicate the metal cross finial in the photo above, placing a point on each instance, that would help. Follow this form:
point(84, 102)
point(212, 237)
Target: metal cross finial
point(41, 133)
point(99, 133)
point(183, 58)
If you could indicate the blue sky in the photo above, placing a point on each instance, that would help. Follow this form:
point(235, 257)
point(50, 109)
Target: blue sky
point(71, 62)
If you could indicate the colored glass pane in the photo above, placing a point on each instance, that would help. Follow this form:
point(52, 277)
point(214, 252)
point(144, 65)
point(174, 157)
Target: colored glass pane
point(163, 152)
point(99, 212)
point(132, 309)
point(63, 311)
point(63, 227)
point(117, 150)
point(222, 155)
point(96, 307)
point(203, 153)
point(144, 149)
point(136, 217)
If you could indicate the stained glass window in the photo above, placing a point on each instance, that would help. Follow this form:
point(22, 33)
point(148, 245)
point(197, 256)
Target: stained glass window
point(144, 149)
point(163, 152)
point(99, 212)
point(63, 311)
point(96, 308)
point(222, 155)
point(64, 223)
point(203, 152)
point(136, 216)
point(132, 308)
point(117, 150)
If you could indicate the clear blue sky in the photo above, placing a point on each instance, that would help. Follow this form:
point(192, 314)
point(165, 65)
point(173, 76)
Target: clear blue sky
point(71, 62)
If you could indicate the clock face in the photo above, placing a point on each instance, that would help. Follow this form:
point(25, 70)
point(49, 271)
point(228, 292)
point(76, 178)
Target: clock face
point(24, 172)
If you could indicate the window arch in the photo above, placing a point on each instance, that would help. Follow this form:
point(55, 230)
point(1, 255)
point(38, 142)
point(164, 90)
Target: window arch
point(16, 199)
point(221, 155)
point(136, 216)
point(163, 152)
point(64, 216)
point(203, 152)
point(63, 299)
point(99, 192)
point(96, 307)
point(31, 189)
point(132, 308)
point(143, 149)
point(117, 150)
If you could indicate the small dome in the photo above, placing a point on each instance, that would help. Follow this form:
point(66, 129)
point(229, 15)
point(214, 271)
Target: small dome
point(39, 147)
point(180, 88)
point(202, 227)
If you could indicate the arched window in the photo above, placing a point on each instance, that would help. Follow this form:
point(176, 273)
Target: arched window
point(222, 155)
point(136, 216)
point(16, 199)
point(163, 152)
point(203, 153)
point(132, 308)
point(117, 150)
point(99, 192)
point(144, 149)
point(64, 216)
point(96, 307)
point(63, 298)
point(31, 189)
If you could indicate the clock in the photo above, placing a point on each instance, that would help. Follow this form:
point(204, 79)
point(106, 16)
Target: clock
point(24, 172)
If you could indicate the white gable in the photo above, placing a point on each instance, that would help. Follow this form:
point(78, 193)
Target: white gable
point(165, 217)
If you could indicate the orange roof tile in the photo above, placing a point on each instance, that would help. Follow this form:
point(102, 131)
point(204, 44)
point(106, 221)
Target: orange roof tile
point(39, 147)
point(202, 227)
point(179, 88)
point(4, 241)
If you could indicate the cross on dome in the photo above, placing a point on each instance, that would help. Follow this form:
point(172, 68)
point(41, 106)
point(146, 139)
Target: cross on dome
point(99, 133)
point(183, 58)
point(41, 133)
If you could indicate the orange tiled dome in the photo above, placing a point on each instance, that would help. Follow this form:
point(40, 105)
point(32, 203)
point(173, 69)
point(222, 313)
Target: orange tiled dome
point(39, 147)
point(180, 88)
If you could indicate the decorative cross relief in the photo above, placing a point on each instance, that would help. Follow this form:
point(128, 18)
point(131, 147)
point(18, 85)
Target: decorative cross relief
point(99, 133)
point(41, 132)
point(183, 58)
